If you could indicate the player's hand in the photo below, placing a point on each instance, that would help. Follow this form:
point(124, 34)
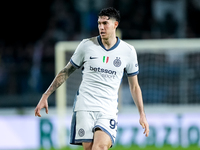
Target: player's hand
point(43, 103)
point(144, 124)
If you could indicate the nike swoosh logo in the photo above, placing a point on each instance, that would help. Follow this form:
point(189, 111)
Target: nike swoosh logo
point(93, 57)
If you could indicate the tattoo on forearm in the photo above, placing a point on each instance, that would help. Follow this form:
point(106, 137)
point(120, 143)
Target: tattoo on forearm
point(60, 79)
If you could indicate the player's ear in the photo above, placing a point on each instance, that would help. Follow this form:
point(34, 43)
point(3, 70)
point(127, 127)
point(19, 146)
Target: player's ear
point(116, 23)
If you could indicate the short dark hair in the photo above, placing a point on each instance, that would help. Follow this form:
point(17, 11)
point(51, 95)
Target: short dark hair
point(110, 12)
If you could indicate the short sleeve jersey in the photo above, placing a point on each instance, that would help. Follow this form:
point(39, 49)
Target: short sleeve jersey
point(103, 70)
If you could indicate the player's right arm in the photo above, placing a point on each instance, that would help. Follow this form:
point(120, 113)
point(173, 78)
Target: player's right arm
point(60, 78)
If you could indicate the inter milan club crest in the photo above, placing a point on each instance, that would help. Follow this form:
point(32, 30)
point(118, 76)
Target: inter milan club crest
point(117, 62)
point(81, 132)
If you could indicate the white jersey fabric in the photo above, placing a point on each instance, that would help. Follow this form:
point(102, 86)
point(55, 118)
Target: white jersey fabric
point(103, 70)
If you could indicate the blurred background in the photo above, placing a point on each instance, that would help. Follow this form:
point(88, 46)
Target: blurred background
point(29, 31)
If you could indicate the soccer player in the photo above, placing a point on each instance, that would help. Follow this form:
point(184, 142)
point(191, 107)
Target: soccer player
point(104, 59)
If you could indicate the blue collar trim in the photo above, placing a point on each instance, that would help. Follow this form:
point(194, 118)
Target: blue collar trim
point(100, 43)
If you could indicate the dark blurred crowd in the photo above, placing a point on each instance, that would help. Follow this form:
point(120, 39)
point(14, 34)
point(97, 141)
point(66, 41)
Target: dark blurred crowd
point(27, 67)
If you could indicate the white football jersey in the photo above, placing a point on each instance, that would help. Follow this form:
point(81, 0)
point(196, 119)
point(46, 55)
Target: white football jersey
point(103, 70)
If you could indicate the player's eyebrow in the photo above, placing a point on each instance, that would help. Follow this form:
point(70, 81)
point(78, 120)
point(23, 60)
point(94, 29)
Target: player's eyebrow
point(102, 22)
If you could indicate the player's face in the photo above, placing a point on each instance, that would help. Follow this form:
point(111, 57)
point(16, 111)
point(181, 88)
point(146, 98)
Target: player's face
point(106, 27)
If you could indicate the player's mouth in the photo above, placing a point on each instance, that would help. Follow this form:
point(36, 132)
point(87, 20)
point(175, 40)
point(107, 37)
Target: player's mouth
point(103, 33)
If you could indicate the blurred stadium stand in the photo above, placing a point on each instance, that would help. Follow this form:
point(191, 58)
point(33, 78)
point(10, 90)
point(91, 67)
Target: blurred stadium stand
point(29, 31)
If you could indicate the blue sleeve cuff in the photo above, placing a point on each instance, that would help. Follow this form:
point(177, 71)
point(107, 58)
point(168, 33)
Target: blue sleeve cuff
point(132, 74)
point(75, 65)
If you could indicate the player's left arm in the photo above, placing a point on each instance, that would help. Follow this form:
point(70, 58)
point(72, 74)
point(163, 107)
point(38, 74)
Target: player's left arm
point(137, 97)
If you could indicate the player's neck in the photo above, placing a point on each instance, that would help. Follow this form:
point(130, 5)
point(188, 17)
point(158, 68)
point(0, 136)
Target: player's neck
point(109, 42)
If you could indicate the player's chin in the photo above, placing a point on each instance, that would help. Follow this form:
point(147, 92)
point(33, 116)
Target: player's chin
point(103, 36)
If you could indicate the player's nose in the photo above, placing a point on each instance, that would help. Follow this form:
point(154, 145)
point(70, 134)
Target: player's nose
point(101, 27)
